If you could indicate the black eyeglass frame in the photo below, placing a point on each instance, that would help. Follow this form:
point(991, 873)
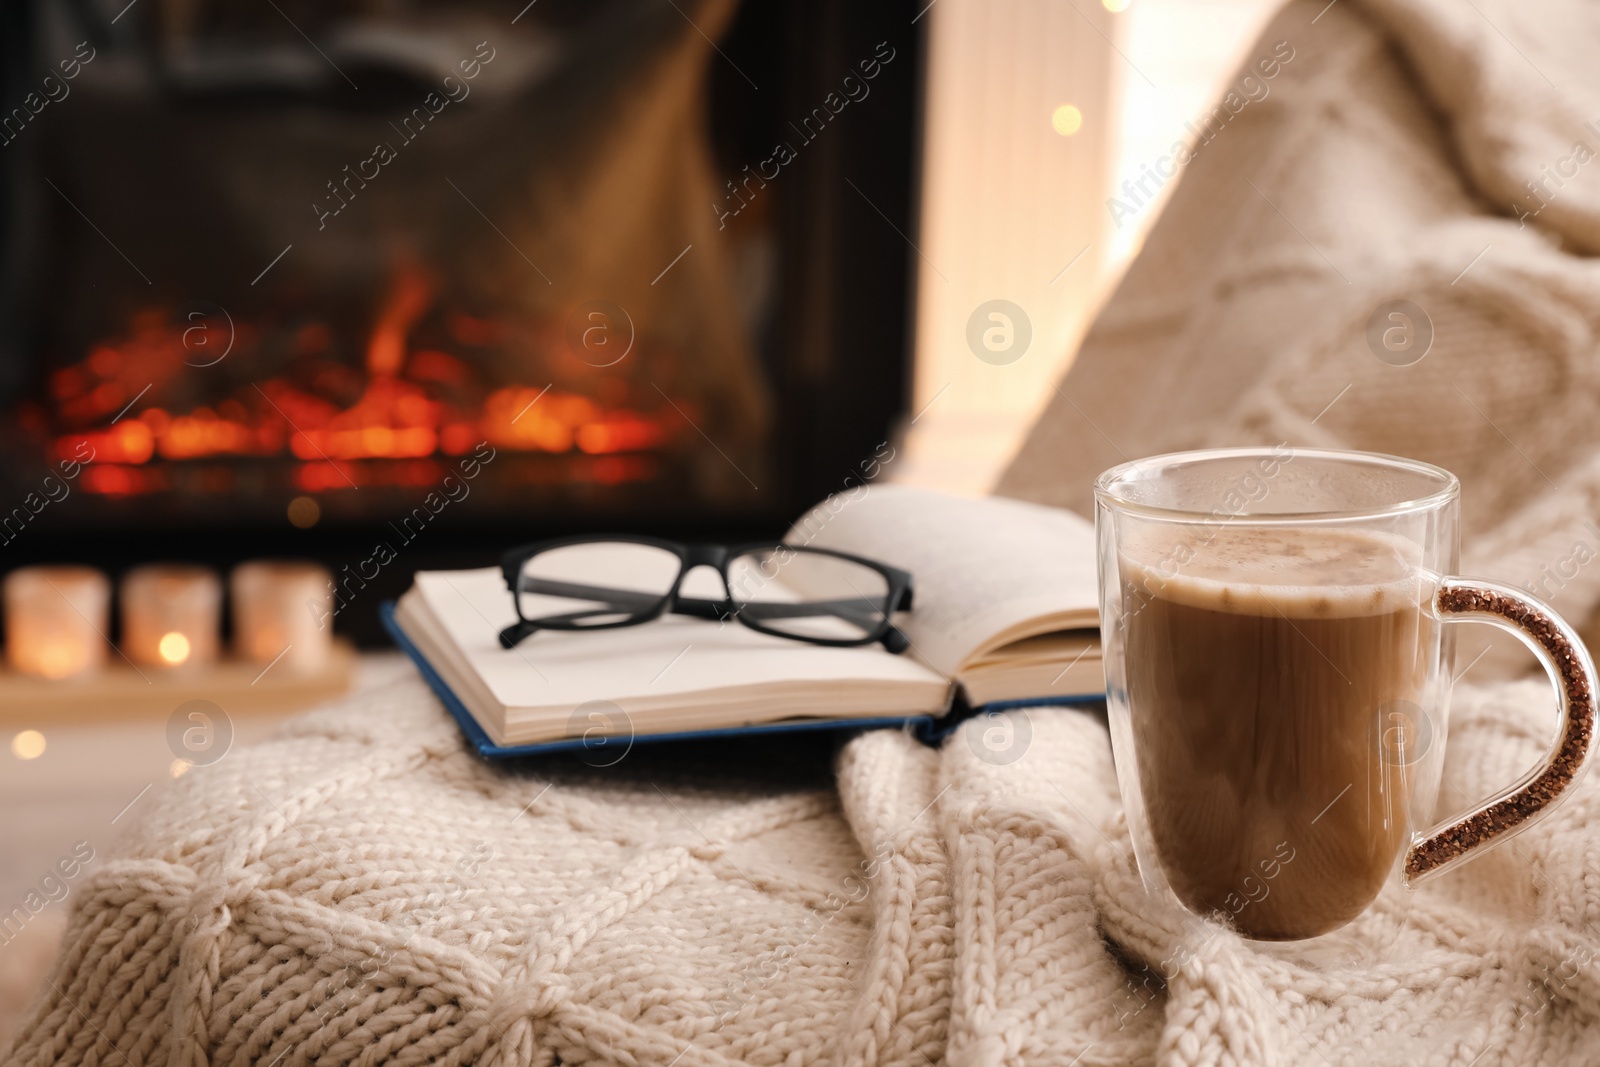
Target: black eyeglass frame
point(690, 556)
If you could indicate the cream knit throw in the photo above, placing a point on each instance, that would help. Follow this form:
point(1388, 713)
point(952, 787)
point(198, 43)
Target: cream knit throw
point(1389, 161)
point(363, 891)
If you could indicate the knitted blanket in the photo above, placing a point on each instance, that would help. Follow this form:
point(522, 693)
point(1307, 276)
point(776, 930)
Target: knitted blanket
point(1429, 151)
point(361, 890)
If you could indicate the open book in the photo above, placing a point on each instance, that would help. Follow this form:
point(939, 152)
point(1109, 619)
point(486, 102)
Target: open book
point(1004, 608)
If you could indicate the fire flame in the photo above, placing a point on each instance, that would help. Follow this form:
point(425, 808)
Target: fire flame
point(412, 403)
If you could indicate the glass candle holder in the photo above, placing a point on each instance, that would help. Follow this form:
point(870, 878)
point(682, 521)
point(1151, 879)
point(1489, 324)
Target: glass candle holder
point(283, 614)
point(171, 615)
point(56, 620)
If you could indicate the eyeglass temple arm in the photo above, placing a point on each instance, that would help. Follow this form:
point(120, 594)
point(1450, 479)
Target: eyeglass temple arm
point(619, 599)
point(699, 607)
point(893, 639)
point(614, 599)
point(514, 634)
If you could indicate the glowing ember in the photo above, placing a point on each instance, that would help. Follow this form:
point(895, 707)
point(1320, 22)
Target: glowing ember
point(132, 399)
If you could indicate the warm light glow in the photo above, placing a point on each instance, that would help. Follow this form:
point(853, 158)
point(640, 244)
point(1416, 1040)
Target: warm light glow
point(1067, 120)
point(29, 744)
point(170, 615)
point(280, 613)
point(392, 419)
point(58, 660)
point(1115, 5)
point(179, 766)
point(55, 618)
point(422, 394)
point(410, 296)
point(304, 512)
point(173, 648)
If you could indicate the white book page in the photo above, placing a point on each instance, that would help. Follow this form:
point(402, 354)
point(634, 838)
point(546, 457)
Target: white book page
point(985, 571)
point(672, 661)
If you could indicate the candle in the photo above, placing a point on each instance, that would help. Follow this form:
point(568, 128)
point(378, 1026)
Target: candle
point(283, 614)
point(56, 620)
point(171, 615)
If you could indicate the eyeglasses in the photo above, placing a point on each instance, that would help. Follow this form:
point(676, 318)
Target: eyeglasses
point(808, 594)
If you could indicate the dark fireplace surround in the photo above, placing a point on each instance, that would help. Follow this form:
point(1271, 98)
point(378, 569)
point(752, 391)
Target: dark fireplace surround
point(395, 285)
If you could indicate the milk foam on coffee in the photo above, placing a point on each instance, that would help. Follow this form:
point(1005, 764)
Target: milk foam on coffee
point(1259, 660)
point(1299, 572)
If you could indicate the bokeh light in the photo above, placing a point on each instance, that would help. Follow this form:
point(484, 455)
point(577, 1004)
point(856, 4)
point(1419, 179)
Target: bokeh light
point(29, 744)
point(173, 648)
point(304, 512)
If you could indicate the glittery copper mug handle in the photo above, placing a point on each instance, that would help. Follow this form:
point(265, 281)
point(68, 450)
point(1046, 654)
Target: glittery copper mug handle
point(1567, 660)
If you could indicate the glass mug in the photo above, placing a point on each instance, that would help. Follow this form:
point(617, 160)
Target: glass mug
point(1278, 675)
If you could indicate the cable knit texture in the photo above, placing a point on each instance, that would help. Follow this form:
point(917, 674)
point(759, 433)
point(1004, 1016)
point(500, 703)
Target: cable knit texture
point(361, 890)
point(1390, 160)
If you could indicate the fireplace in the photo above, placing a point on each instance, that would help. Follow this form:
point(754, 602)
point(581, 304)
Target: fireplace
point(275, 276)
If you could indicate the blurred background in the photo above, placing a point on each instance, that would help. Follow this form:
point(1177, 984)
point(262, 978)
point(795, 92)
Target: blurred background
point(299, 298)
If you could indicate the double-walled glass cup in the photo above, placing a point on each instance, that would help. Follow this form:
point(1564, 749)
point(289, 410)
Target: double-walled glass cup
point(1278, 667)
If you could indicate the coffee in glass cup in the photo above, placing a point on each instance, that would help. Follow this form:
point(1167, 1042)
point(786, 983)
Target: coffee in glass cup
point(1278, 679)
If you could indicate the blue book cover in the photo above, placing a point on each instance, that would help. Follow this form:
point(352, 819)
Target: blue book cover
point(927, 727)
point(1005, 618)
